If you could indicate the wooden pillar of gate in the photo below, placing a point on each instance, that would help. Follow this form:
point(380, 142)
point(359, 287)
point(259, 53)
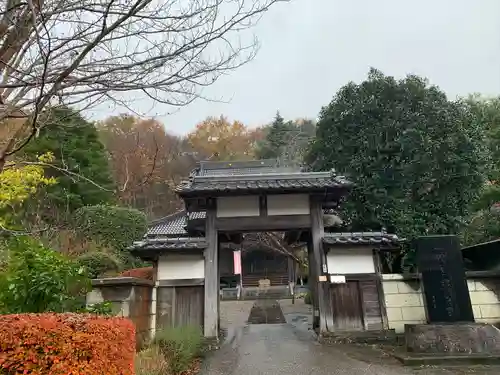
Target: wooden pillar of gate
point(312, 283)
point(316, 244)
point(211, 317)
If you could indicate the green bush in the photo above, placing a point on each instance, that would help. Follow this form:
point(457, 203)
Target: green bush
point(111, 226)
point(308, 298)
point(37, 279)
point(100, 308)
point(180, 346)
point(97, 263)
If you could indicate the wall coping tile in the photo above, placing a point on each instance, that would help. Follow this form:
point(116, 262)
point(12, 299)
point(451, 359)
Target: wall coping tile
point(416, 276)
point(121, 281)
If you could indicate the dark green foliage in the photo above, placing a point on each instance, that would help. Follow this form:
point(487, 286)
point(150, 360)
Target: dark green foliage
point(286, 141)
point(111, 226)
point(486, 112)
point(483, 226)
point(180, 345)
point(490, 195)
point(75, 144)
point(417, 158)
point(99, 262)
point(484, 223)
point(37, 279)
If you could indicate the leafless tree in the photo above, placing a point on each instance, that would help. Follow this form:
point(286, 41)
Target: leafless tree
point(85, 52)
point(274, 241)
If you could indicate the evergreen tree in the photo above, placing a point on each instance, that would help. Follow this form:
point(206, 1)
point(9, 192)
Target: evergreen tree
point(75, 144)
point(417, 159)
point(286, 140)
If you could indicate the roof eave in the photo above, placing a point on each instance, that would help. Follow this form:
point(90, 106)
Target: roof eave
point(190, 193)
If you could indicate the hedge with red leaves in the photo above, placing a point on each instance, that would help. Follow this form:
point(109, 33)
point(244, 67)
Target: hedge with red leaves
point(140, 273)
point(66, 344)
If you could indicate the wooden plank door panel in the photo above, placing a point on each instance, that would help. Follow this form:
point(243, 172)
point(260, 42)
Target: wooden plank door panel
point(372, 311)
point(189, 309)
point(346, 306)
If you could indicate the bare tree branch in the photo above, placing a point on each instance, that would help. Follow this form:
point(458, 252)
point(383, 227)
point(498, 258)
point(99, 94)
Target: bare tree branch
point(80, 52)
point(275, 242)
point(62, 170)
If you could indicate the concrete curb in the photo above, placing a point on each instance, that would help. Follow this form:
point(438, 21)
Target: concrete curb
point(447, 360)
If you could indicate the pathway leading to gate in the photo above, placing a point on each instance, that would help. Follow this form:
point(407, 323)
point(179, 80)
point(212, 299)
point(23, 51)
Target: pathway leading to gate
point(263, 347)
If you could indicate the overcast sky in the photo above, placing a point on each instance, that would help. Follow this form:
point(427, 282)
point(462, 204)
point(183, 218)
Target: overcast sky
point(310, 48)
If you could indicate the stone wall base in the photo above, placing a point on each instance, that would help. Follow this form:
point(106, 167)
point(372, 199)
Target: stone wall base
point(359, 337)
point(453, 339)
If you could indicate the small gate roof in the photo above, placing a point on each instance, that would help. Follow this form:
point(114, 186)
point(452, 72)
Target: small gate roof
point(361, 238)
point(171, 225)
point(151, 248)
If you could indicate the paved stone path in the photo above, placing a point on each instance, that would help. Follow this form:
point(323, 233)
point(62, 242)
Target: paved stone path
point(266, 312)
point(290, 349)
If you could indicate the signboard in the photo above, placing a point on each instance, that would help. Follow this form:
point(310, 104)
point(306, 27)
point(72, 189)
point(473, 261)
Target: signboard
point(337, 279)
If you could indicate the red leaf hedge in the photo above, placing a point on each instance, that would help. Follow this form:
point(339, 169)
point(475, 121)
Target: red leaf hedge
point(140, 273)
point(66, 344)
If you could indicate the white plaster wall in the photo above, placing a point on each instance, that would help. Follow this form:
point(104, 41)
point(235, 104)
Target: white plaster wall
point(405, 305)
point(181, 266)
point(288, 204)
point(238, 206)
point(350, 260)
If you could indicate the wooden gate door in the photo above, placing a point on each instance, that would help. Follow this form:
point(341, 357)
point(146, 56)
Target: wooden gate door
point(356, 305)
point(346, 306)
point(370, 300)
point(189, 305)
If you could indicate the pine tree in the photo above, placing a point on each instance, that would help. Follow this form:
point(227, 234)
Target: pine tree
point(275, 143)
point(286, 140)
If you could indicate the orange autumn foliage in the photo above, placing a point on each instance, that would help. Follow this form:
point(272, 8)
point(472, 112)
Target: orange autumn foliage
point(140, 273)
point(217, 138)
point(66, 344)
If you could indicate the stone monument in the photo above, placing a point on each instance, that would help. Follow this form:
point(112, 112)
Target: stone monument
point(450, 331)
point(446, 295)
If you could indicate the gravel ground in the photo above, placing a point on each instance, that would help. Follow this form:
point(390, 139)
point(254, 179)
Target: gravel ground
point(291, 349)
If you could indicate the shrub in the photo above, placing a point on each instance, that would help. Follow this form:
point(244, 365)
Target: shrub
point(180, 345)
point(38, 279)
point(62, 344)
point(111, 226)
point(140, 273)
point(99, 262)
point(100, 308)
point(308, 298)
point(151, 362)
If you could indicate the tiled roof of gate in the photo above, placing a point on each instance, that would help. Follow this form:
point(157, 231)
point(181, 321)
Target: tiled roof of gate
point(196, 215)
point(171, 225)
point(214, 177)
point(361, 238)
point(238, 168)
point(181, 243)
